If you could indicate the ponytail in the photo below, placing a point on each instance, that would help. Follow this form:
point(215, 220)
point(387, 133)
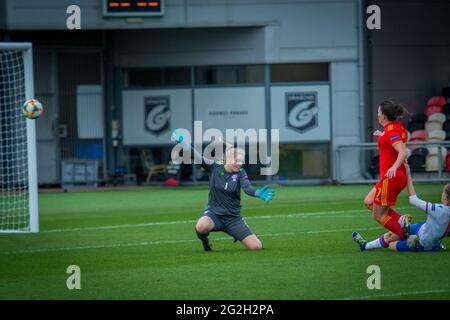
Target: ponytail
point(393, 111)
point(399, 111)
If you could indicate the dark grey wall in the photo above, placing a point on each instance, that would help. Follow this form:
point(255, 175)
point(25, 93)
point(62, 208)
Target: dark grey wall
point(184, 47)
point(411, 53)
point(2, 14)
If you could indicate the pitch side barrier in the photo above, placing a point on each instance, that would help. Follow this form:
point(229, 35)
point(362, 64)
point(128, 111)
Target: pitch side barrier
point(358, 163)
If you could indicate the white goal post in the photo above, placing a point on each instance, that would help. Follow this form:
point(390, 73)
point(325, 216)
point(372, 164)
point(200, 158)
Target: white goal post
point(18, 167)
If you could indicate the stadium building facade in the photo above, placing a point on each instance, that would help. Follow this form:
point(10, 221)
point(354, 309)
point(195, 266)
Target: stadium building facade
point(114, 90)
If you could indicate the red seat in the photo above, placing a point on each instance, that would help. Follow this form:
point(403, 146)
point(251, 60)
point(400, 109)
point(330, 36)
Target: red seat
point(172, 182)
point(436, 101)
point(419, 135)
point(431, 109)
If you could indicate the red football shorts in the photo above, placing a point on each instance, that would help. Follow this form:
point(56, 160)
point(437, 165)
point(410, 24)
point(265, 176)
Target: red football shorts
point(389, 189)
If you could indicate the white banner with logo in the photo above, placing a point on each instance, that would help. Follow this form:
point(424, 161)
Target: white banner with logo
point(231, 108)
point(301, 113)
point(149, 116)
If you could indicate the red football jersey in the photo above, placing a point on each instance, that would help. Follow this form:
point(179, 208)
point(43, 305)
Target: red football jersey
point(393, 132)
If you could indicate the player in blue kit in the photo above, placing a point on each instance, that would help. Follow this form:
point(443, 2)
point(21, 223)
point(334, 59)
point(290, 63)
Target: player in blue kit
point(224, 201)
point(425, 236)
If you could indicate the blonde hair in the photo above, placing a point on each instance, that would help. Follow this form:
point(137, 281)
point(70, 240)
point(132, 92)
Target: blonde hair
point(232, 151)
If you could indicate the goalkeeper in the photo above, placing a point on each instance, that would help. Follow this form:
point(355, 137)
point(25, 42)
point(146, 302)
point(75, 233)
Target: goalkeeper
point(224, 201)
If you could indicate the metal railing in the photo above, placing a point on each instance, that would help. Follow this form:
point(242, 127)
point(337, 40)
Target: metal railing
point(364, 152)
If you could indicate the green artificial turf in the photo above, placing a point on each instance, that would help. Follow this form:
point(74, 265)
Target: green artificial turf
point(142, 245)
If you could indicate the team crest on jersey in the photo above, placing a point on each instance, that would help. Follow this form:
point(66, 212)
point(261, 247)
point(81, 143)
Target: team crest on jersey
point(302, 111)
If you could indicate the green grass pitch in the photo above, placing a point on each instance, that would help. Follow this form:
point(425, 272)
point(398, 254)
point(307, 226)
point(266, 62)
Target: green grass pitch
point(142, 245)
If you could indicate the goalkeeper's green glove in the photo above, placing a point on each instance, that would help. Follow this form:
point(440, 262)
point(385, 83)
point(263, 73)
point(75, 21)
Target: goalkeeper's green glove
point(181, 139)
point(265, 194)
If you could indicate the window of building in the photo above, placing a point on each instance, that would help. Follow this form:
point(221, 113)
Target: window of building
point(300, 72)
point(225, 75)
point(158, 77)
point(304, 161)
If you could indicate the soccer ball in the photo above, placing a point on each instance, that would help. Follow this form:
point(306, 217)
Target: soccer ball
point(32, 109)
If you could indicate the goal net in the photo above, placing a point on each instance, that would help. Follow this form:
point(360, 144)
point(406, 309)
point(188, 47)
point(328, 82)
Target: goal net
point(18, 176)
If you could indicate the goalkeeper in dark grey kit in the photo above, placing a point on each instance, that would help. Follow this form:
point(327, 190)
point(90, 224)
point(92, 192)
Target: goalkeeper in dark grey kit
point(224, 202)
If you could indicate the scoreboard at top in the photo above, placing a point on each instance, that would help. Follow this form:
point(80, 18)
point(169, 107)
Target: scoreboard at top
point(133, 8)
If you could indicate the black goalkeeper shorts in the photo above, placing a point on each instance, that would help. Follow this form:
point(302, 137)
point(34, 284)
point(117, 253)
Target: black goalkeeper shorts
point(234, 226)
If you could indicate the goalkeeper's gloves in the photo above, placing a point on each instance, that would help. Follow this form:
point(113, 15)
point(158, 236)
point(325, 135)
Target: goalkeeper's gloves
point(180, 138)
point(265, 194)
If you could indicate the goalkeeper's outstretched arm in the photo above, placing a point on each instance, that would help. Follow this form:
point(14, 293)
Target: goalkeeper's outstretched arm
point(246, 185)
point(206, 163)
point(263, 193)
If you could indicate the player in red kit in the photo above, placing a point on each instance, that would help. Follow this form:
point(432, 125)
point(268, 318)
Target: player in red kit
point(392, 149)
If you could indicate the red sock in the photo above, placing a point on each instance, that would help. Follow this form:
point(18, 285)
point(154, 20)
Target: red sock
point(392, 225)
point(394, 214)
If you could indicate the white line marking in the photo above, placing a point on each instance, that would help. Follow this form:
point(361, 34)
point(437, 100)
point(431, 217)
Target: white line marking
point(136, 244)
point(397, 294)
point(150, 224)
